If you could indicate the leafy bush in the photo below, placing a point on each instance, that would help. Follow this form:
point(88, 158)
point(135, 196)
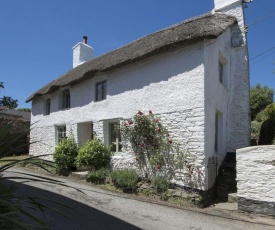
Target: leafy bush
point(269, 111)
point(160, 183)
point(94, 154)
point(260, 117)
point(125, 179)
point(255, 129)
point(66, 152)
point(98, 176)
point(267, 133)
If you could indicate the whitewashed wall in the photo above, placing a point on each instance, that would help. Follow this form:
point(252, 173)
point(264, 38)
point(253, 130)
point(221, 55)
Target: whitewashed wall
point(171, 85)
point(256, 179)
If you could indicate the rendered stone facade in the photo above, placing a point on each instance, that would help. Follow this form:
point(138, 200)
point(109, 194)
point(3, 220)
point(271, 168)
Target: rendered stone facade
point(256, 179)
point(181, 85)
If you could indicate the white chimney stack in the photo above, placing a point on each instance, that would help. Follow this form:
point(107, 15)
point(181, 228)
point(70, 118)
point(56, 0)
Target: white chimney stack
point(82, 52)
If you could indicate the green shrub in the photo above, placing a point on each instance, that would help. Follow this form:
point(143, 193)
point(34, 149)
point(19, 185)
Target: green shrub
point(66, 152)
point(94, 154)
point(160, 183)
point(269, 111)
point(125, 179)
point(98, 176)
point(255, 129)
point(267, 133)
point(261, 116)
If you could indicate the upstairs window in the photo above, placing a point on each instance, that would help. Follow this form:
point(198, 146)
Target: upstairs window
point(221, 72)
point(66, 99)
point(60, 133)
point(101, 91)
point(48, 106)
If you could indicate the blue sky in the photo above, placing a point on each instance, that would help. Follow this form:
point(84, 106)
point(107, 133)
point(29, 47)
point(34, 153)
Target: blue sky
point(36, 36)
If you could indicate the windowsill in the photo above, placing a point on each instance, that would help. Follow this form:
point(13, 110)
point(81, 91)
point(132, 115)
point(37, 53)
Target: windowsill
point(100, 100)
point(118, 154)
point(64, 109)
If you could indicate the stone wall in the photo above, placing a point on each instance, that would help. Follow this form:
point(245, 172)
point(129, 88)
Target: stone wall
point(256, 179)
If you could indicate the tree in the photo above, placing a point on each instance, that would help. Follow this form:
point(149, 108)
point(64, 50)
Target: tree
point(8, 101)
point(260, 97)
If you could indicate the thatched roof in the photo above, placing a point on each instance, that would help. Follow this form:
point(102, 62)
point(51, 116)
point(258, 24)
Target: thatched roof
point(208, 26)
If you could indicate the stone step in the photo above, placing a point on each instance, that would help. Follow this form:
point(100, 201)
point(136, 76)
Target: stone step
point(232, 198)
point(82, 175)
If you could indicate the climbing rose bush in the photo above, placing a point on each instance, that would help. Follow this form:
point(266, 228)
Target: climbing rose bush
point(156, 152)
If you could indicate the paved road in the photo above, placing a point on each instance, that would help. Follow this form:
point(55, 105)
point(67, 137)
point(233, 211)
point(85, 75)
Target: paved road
point(100, 210)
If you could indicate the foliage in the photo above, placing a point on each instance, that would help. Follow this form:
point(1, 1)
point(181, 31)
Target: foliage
point(125, 179)
point(255, 129)
point(156, 153)
point(11, 202)
point(267, 132)
point(14, 136)
point(8, 101)
point(94, 154)
point(24, 109)
point(260, 117)
point(160, 183)
point(98, 176)
point(269, 111)
point(260, 97)
point(66, 152)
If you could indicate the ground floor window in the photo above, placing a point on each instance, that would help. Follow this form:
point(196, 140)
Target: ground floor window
point(115, 137)
point(60, 133)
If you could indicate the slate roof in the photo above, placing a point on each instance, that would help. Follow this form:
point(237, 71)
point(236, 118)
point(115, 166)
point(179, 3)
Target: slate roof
point(208, 26)
point(4, 111)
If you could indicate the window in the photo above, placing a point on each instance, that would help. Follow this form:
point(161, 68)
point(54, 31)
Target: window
point(48, 106)
point(66, 100)
point(60, 133)
point(101, 91)
point(218, 132)
point(221, 72)
point(115, 138)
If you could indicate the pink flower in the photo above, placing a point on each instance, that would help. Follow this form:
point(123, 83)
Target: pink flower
point(191, 172)
point(140, 113)
point(159, 130)
point(156, 121)
point(170, 141)
point(150, 112)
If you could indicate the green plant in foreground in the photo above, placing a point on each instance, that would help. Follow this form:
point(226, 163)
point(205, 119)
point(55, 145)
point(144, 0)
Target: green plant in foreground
point(66, 152)
point(160, 183)
point(11, 208)
point(98, 176)
point(125, 179)
point(94, 155)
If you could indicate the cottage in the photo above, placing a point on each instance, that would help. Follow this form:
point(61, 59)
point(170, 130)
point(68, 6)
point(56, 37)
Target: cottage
point(193, 74)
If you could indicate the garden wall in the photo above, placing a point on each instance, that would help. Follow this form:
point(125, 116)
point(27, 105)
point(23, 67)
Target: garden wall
point(256, 179)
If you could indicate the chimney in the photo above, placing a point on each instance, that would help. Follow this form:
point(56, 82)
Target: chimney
point(85, 39)
point(82, 52)
point(236, 9)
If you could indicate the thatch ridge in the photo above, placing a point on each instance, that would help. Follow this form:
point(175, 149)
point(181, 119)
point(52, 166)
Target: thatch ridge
point(208, 26)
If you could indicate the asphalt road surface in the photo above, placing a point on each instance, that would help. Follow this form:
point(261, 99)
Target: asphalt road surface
point(99, 209)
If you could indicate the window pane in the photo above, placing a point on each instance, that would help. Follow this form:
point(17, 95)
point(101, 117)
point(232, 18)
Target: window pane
point(220, 72)
point(101, 89)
